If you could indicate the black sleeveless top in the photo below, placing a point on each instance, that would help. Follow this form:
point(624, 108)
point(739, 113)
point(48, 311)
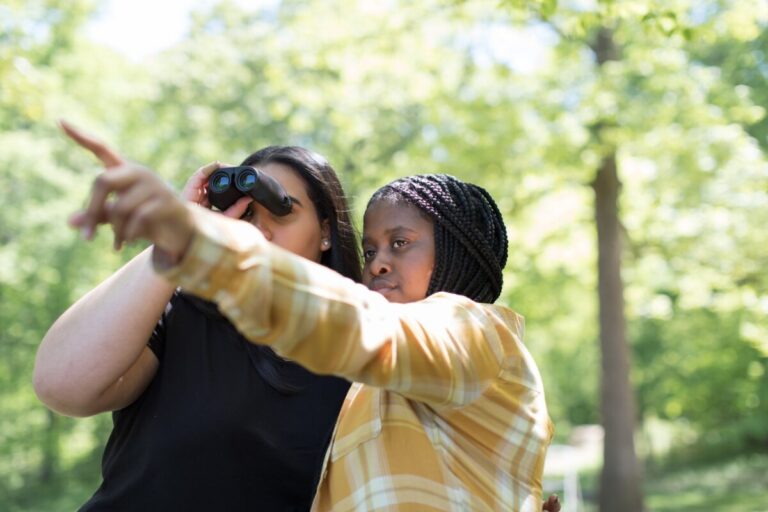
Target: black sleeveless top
point(224, 425)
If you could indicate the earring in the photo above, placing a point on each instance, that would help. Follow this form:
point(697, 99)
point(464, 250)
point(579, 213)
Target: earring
point(326, 243)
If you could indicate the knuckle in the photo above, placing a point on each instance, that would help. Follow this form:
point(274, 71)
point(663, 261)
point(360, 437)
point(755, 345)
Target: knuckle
point(142, 217)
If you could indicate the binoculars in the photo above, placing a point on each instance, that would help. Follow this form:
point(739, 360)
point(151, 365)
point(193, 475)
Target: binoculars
point(228, 184)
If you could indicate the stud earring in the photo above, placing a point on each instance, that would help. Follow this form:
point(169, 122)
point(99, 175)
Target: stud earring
point(326, 242)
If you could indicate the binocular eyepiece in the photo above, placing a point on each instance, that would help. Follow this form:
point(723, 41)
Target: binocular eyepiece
point(228, 184)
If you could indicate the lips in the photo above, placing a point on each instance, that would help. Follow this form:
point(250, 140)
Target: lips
point(381, 285)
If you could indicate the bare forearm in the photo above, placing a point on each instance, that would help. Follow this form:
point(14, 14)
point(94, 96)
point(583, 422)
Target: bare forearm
point(100, 338)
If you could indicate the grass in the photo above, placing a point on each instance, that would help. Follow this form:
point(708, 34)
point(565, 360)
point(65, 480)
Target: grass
point(738, 485)
point(735, 485)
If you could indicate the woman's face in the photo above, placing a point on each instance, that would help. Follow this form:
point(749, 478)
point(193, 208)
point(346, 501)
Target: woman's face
point(301, 231)
point(398, 250)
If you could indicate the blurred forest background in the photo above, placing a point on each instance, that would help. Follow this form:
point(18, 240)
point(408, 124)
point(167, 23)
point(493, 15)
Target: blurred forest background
point(643, 118)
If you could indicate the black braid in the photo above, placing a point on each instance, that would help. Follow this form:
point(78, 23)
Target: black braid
point(470, 236)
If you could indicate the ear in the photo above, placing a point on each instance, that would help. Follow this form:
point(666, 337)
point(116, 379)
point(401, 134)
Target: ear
point(325, 235)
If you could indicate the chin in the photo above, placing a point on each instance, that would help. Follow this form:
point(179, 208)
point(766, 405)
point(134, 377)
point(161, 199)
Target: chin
point(390, 294)
point(397, 298)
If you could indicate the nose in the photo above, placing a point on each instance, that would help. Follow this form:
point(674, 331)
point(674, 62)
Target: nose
point(262, 226)
point(379, 265)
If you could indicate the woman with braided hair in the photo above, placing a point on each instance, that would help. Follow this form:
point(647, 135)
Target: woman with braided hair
point(470, 240)
point(447, 408)
point(426, 237)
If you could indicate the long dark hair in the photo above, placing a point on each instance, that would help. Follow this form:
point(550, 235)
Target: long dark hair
point(470, 236)
point(327, 195)
point(324, 189)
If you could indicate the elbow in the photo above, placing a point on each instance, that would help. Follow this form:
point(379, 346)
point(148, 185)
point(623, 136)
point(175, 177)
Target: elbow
point(44, 387)
point(55, 395)
point(55, 386)
point(474, 384)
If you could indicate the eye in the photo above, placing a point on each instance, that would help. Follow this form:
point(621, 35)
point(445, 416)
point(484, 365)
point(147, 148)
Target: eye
point(399, 243)
point(281, 219)
point(248, 213)
point(368, 254)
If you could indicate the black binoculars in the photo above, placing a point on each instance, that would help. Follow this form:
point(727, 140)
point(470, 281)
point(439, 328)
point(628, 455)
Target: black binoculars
point(228, 184)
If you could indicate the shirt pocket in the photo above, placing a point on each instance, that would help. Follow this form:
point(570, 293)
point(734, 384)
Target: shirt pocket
point(359, 422)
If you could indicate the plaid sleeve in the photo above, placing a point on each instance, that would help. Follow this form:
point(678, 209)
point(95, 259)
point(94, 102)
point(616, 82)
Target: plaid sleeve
point(444, 350)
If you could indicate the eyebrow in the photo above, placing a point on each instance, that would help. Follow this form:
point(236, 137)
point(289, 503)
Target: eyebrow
point(390, 231)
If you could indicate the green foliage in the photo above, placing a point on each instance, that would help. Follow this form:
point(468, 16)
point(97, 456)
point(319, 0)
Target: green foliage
point(724, 377)
point(743, 60)
point(43, 265)
point(542, 8)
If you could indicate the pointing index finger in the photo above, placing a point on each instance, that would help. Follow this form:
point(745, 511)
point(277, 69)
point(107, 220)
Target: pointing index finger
point(104, 153)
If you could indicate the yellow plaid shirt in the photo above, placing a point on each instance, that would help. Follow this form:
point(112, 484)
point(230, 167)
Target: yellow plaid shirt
point(447, 411)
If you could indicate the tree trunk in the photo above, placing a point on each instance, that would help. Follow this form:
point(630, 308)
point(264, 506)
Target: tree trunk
point(620, 483)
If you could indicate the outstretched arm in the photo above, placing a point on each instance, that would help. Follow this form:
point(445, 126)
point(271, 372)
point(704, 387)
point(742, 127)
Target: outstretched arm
point(444, 350)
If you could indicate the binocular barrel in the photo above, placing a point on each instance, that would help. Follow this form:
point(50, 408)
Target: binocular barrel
point(228, 184)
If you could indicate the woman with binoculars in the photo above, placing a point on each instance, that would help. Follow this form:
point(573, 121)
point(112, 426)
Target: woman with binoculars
point(203, 420)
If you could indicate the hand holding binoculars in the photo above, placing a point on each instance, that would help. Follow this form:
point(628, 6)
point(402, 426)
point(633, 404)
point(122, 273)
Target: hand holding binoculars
point(228, 184)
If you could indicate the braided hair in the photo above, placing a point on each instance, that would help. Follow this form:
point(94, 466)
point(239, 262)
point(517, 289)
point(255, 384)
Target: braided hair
point(470, 236)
